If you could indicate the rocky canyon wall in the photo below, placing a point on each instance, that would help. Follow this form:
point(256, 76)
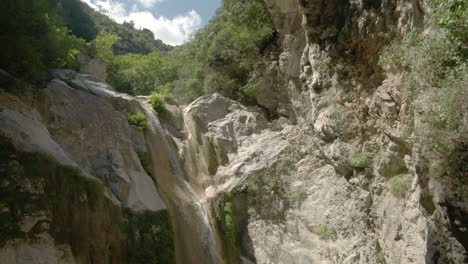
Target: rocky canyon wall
point(327, 170)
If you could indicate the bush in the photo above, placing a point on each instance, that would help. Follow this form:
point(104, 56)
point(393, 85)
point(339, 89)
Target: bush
point(157, 102)
point(101, 47)
point(452, 16)
point(325, 232)
point(400, 184)
point(435, 78)
point(381, 257)
point(297, 196)
point(151, 239)
point(138, 120)
point(359, 160)
point(335, 113)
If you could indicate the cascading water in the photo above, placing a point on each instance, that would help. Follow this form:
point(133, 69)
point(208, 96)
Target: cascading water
point(194, 236)
point(195, 239)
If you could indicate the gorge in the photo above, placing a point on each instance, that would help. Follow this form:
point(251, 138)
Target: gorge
point(334, 163)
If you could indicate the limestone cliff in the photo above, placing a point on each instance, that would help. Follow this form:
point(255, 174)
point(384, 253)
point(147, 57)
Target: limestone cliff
point(328, 170)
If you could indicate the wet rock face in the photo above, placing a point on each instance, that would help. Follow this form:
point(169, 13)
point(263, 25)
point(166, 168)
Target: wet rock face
point(81, 130)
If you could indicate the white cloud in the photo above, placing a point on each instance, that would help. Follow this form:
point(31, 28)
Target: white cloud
point(149, 3)
point(173, 31)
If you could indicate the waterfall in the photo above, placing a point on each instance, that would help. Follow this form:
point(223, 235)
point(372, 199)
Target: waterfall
point(194, 236)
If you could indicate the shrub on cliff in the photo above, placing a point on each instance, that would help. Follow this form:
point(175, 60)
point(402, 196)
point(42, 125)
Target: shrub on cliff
point(157, 102)
point(435, 77)
point(137, 120)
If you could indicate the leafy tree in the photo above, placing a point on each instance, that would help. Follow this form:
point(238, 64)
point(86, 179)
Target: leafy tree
point(224, 54)
point(86, 23)
point(141, 74)
point(32, 39)
point(101, 47)
point(453, 16)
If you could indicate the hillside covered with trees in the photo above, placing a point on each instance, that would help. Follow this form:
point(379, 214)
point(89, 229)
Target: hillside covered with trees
point(219, 58)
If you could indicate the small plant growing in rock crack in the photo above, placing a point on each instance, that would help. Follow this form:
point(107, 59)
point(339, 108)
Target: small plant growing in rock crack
point(251, 211)
point(400, 184)
point(157, 101)
point(335, 113)
point(325, 232)
point(360, 160)
point(271, 183)
point(137, 120)
point(230, 227)
point(381, 257)
point(297, 196)
point(145, 160)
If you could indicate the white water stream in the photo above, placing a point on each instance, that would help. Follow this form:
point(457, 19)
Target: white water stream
point(195, 239)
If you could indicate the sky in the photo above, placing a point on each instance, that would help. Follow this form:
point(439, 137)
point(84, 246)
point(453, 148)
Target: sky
point(172, 21)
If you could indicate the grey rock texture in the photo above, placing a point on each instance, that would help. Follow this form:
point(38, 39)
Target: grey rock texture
point(333, 132)
point(92, 66)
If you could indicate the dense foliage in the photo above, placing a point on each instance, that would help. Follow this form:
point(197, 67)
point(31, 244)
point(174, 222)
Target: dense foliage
point(137, 120)
point(33, 40)
point(142, 74)
point(219, 58)
point(86, 23)
point(222, 56)
point(151, 239)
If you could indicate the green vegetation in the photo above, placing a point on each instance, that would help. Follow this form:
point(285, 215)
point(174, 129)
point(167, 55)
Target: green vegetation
point(230, 228)
point(381, 257)
point(151, 239)
point(101, 47)
point(145, 160)
point(222, 56)
point(298, 196)
point(80, 214)
point(360, 160)
point(325, 232)
point(86, 23)
point(273, 183)
point(78, 210)
point(452, 15)
point(137, 120)
point(157, 102)
point(335, 113)
point(435, 80)
point(400, 184)
point(33, 40)
point(142, 74)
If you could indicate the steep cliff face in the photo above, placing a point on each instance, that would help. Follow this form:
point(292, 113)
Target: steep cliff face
point(60, 146)
point(357, 144)
point(329, 170)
